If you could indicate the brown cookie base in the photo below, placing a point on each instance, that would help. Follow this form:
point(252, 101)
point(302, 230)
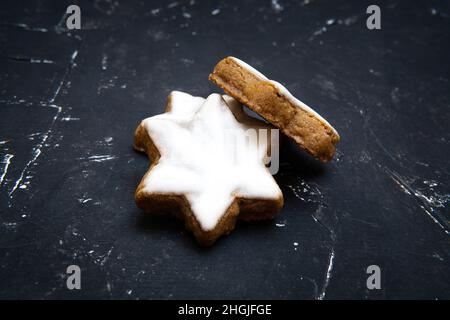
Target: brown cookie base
point(177, 205)
point(264, 98)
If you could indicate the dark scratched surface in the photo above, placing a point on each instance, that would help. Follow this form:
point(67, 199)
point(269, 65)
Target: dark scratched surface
point(70, 101)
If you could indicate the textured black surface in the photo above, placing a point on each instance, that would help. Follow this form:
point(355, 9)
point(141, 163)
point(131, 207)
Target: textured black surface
point(70, 102)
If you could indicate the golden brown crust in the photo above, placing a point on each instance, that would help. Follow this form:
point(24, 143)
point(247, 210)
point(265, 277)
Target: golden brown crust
point(264, 98)
point(177, 204)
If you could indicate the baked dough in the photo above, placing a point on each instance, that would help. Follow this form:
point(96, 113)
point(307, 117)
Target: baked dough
point(277, 105)
point(193, 176)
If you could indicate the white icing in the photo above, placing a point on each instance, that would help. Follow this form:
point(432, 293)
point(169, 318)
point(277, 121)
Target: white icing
point(199, 160)
point(285, 92)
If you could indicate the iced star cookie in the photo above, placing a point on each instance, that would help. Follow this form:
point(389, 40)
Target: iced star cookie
point(195, 173)
point(277, 105)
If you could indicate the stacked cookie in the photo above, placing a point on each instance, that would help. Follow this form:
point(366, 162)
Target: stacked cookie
point(199, 174)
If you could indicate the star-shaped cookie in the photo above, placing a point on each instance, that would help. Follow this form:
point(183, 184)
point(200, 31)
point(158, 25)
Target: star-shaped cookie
point(272, 101)
point(200, 171)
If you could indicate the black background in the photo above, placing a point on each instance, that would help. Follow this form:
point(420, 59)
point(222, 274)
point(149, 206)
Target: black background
point(70, 102)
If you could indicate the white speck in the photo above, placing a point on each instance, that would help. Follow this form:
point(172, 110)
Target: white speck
point(277, 6)
point(23, 186)
point(437, 256)
point(172, 5)
point(187, 62)
point(431, 184)
point(187, 15)
point(104, 62)
point(318, 33)
point(375, 73)
point(129, 292)
point(422, 164)
point(215, 12)
point(433, 11)
point(9, 225)
point(109, 139)
point(330, 22)
point(24, 216)
point(157, 35)
point(350, 20)
point(280, 225)
point(154, 12)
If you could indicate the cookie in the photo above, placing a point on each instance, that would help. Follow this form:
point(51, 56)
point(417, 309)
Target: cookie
point(195, 173)
point(277, 105)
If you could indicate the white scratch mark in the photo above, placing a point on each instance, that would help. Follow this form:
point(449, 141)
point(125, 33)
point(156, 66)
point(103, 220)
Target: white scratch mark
point(7, 162)
point(84, 200)
point(99, 158)
point(426, 203)
point(328, 276)
point(74, 56)
point(45, 61)
point(306, 192)
point(61, 84)
point(37, 150)
point(24, 26)
point(69, 118)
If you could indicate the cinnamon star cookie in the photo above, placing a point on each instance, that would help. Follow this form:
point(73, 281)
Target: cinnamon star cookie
point(277, 105)
point(198, 173)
